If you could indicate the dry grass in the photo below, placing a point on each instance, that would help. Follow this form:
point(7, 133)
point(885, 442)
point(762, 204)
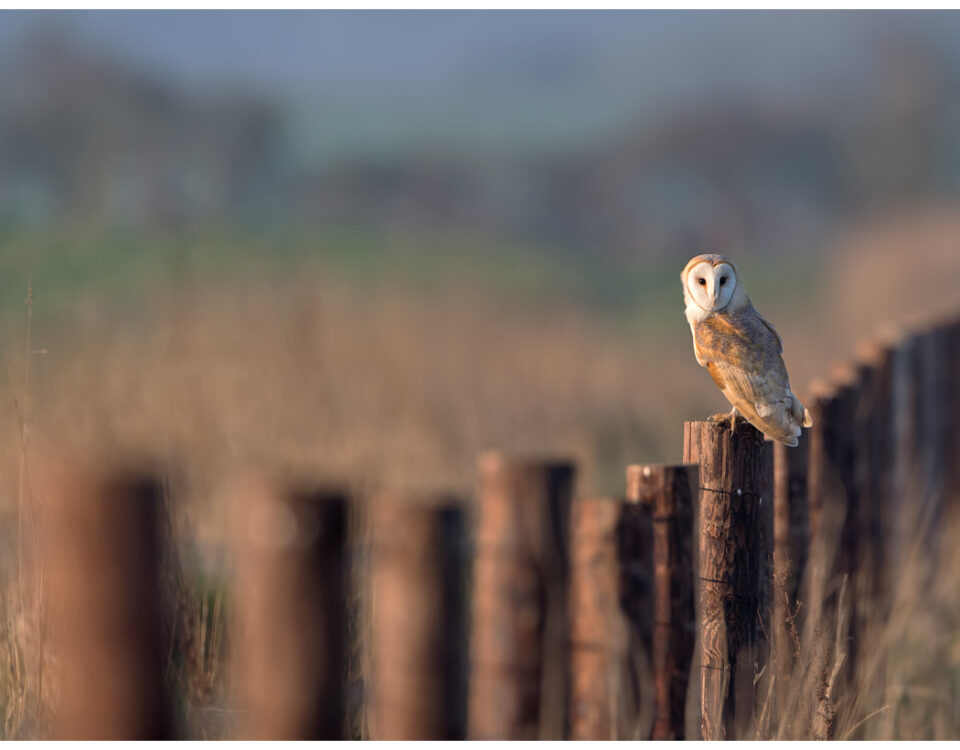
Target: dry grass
point(897, 676)
point(402, 388)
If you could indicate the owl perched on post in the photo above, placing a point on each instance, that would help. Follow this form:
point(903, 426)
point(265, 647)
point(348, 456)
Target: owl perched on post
point(740, 350)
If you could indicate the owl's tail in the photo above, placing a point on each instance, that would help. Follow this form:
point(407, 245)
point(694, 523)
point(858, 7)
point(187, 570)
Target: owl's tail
point(800, 413)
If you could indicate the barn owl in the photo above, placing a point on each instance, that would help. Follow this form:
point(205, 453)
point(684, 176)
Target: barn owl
point(740, 350)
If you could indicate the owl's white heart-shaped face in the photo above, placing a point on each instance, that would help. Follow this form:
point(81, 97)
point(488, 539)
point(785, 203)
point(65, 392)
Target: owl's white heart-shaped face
point(710, 286)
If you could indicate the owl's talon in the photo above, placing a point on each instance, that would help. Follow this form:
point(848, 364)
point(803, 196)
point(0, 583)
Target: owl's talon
point(730, 417)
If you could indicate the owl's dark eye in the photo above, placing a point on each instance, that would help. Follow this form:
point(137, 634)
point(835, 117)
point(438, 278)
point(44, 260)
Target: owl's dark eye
point(702, 282)
point(723, 280)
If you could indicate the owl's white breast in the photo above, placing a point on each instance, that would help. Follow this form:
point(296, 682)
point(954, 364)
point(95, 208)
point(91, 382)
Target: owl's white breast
point(695, 313)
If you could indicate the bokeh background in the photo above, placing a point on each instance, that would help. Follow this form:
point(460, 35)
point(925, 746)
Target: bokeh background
point(370, 245)
point(376, 243)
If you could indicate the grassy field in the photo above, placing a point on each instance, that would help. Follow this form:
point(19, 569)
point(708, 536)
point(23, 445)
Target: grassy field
point(440, 345)
point(391, 360)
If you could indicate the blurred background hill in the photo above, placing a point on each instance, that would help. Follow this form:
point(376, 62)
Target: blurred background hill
point(386, 240)
point(615, 133)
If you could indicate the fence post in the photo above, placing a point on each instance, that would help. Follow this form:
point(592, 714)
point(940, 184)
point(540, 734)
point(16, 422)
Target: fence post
point(813, 586)
point(952, 344)
point(416, 688)
point(875, 460)
point(848, 460)
point(952, 415)
point(732, 562)
point(290, 644)
point(828, 485)
point(791, 535)
point(519, 649)
point(102, 549)
point(610, 571)
point(906, 437)
point(669, 492)
point(932, 405)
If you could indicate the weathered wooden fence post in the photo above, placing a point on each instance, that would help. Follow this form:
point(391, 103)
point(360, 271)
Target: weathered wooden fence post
point(669, 492)
point(416, 688)
point(102, 550)
point(873, 433)
point(732, 564)
point(830, 479)
point(290, 644)
point(932, 405)
point(791, 538)
point(813, 585)
point(519, 649)
point(611, 545)
point(847, 460)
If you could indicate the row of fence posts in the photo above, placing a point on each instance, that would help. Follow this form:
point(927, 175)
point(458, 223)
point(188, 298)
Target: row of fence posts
point(654, 615)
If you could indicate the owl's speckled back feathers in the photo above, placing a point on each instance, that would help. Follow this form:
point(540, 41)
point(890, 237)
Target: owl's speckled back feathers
point(743, 355)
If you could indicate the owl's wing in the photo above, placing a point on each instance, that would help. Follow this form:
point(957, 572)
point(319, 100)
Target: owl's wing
point(743, 358)
point(776, 336)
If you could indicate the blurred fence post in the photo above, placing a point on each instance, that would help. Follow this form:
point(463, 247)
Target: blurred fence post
point(102, 549)
point(669, 493)
point(290, 642)
point(905, 485)
point(847, 459)
point(791, 536)
point(952, 415)
point(416, 689)
point(933, 415)
point(875, 449)
point(610, 577)
point(732, 562)
point(812, 586)
point(826, 492)
point(519, 646)
point(827, 473)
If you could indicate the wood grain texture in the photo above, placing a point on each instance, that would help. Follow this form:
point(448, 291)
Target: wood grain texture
point(733, 548)
point(669, 492)
point(610, 619)
point(791, 535)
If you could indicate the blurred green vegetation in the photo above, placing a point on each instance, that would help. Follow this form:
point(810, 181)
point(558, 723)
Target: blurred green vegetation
point(126, 269)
